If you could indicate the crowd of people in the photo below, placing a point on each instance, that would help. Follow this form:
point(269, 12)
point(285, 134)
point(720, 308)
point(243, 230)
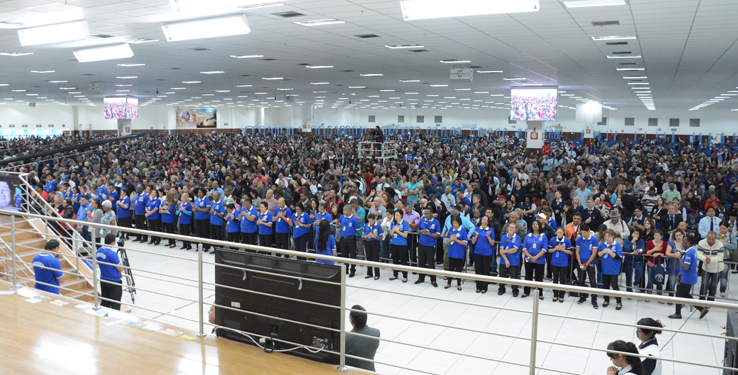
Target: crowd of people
point(573, 213)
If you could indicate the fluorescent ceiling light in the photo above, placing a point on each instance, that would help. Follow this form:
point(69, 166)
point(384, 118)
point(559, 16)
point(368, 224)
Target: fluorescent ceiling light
point(404, 46)
point(329, 21)
point(18, 90)
point(462, 89)
point(614, 37)
point(438, 85)
point(455, 61)
point(624, 57)
point(206, 28)
point(127, 77)
point(630, 69)
point(320, 83)
point(65, 32)
point(257, 6)
point(178, 88)
point(319, 66)
point(637, 83)
point(143, 40)
point(247, 56)
point(372, 75)
point(272, 78)
point(642, 77)
point(593, 3)
point(357, 87)
point(409, 80)
point(69, 88)
point(57, 81)
point(131, 65)
point(191, 82)
point(515, 79)
point(428, 9)
point(42, 71)
point(122, 90)
point(222, 90)
point(114, 52)
point(213, 72)
point(15, 54)
point(489, 71)
point(387, 90)
point(286, 89)
point(243, 85)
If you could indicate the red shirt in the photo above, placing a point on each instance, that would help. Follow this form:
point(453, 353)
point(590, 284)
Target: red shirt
point(650, 246)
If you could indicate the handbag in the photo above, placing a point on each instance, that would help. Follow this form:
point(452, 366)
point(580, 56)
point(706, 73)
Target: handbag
point(659, 274)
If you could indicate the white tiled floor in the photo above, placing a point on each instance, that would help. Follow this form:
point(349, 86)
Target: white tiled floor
point(491, 350)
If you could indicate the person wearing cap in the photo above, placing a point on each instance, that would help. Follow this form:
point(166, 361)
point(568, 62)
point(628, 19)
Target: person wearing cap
point(618, 226)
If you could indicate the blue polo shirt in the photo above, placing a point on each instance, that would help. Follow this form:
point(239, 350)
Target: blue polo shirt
point(219, 208)
point(610, 265)
point(586, 246)
point(376, 230)
point(303, 219)
point(398, 240)
point(101, 193)
point(107, 271)
point(49, 187)
point(559, 258)
point(47, 276)
point(154, 205)
point(264, 229)
point(535, 245)
point(552, 224)
point(168, 217)
point(689, 276)
point(139, 205)
point(483, 246)
point(282, 225)
point(324, 216)
point(410, 187)
point(330, 247)
point(232, 225)
point(124, 212)
point(185, 213)
point(202, 203)
point(82, 213)
point(455, 249)
point(246, 225)
point(349, 225)
point(433, 226)
point(114, 197)
point(507, 243)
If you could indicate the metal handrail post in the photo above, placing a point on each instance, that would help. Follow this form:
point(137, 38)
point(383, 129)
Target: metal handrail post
point(342, 356)
point(12, 246)
point(76, 254)
point(96, 293)
point(534, 331)
point(199, 290)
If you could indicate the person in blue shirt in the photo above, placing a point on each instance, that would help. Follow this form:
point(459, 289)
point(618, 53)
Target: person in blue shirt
point(265, 223)
point(586, 251)
point(108, 261)
point(217, 212)
point(398, 244)
point(633, 248)
point(484, 242)
point(184, 210)
point(114, 195)
point(167, 209)
point(457, 239)
point(300, 221)
point(50, 184)
point(84, 208)
point(153, 216)
point(139, 210)
point(509, 258)
point(47, 269)
point(202, 216)
point(282, 217)
point(560, 249)
point(123, 212)
point(412, 189)
point(347, 246)
point(75, 195)
point(247, 217)
point(429, 231)
point(688, 261)
point(233, 228)
point(372, 234)
point(101, 192)
point(535, 248)
point(325, 243)
point(611, 258)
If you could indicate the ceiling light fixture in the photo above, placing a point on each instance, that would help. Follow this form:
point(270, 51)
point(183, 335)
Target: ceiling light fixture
point(114, 52)
point(127, 77)
point(404, 46)
point(515, 79)
point(65, 32)
point(631, 69)
point(329, 21)
point(429, 9)
point(455, 61)
point(624, 57)
point(614, 37)
point(372, 75)
point(191, 82)
point(319, 66)
point(15, 54)
point(207, 28)
point(409, 80)
point(57, 81)
point(272, 78)
point(71, 88)
point(640, 77)
point(131, 65)
point(247, 56)
point(357, 87)
point(438, 85)
point(241, 86)
point(213, 72)
point(593, 3)
point(320, 83)
point(42, 71)
point(489, 71)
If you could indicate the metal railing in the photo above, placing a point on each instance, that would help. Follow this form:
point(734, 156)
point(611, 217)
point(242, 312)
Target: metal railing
point(200, 284)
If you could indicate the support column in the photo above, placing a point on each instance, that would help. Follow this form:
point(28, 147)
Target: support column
point(534, 140)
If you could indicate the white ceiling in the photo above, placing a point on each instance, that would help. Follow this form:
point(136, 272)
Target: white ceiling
point(688, 48)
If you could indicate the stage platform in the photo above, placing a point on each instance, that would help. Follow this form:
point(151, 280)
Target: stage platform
point(43, 338)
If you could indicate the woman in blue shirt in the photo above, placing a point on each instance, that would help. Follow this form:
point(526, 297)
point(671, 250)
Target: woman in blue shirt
point(611, 257)
point(509, 258)
point(398, 244)
point(248, 217)
point(457, 239)
point(633, 249)
point(185, 219)
point(688, 262)
point(535, 248)
point(139, 210)
point(153, 216)
point(560, 249)
point(672, 264)
point(301, 228)
point(483, 240)
point(123, 212)
point(167, 217)
point(325, 243)
point(372, 233)
point(265, 226)
point(75, 195)
point(233, 228)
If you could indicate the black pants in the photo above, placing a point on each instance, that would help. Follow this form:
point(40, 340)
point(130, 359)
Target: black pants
point(301, 244)
point(112, 291)
point(455, 265)
point(202, 230)
point(248, 239)
point(169, 228)
point(216, 233)
point(482, 266)
point(266, 241)
point(233, 236)
point(141, 224)
point(583, 275)
point(347, 249)
point(426, 259)
point(609, 281)
point(399, 255)
point(371, 249)
point(685, 291)
point(155, 226)
point(559, 277)
point(511, 272)
point(533, 270)
point(282, 241)
point(185, 230)
point(124, 222)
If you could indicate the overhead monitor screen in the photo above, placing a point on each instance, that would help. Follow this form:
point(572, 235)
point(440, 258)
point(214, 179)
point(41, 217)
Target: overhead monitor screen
point(207, 118)
point(539, 104)
point(120, 108)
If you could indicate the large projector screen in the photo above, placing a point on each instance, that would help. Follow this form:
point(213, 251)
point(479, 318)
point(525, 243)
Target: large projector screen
point(537, 104)
point(120, 108)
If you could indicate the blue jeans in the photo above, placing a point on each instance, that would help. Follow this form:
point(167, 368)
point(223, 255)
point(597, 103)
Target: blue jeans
point(650, 285)
point(633, 267)
point(709, 285)
point(670, 284)
point(724, 279)
point(598, 267)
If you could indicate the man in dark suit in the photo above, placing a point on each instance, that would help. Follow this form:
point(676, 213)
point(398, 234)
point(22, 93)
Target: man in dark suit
point(670, 221)
point(360, 346)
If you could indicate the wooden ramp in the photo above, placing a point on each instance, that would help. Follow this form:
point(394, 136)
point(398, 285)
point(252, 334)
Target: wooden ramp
point(43, 338)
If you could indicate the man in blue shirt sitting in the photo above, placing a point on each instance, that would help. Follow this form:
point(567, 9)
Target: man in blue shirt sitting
point(110, 270)
point(47, 268)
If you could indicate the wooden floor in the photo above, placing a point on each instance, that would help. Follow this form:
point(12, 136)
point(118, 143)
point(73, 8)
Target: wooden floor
point(43, 338)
